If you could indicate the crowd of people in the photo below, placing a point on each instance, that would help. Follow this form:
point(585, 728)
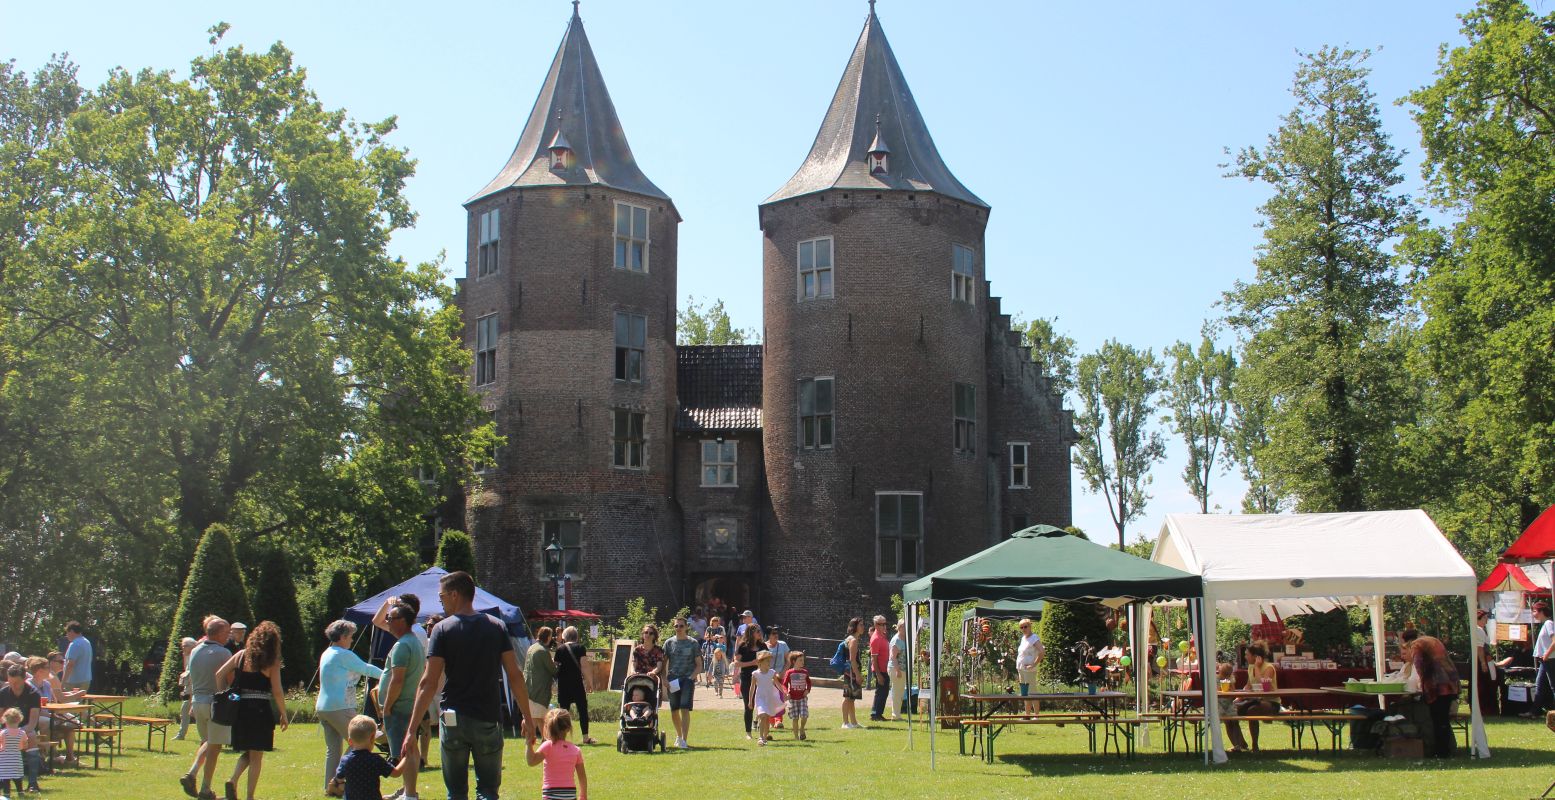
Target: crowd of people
point(30, 733)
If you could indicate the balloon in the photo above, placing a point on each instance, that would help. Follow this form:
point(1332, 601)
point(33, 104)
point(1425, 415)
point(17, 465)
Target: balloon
point(1183, 645)
point(1126, 661)
point(1160, 661)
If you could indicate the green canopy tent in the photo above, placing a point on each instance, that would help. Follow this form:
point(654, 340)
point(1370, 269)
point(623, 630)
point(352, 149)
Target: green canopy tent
point(1044, 563)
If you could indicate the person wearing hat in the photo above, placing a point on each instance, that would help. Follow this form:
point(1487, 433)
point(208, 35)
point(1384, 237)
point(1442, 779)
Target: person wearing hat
point(1489, 676)
point(747, 618)
point(237, 631)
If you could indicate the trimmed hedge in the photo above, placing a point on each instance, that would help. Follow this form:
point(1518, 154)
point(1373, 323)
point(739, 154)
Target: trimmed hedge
point(275, 599)
point(214, 586)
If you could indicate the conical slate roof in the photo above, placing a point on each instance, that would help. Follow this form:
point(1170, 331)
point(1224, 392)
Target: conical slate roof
point(873, 84)
point(574, 103)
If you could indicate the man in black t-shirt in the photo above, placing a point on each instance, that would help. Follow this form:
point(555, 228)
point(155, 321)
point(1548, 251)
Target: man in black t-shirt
point(472, 650)
point(17, 693)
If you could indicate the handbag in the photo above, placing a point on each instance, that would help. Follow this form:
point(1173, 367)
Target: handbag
point(224, 707)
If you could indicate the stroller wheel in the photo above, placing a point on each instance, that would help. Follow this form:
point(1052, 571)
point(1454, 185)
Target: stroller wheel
point(661, 742)
point(620, 743)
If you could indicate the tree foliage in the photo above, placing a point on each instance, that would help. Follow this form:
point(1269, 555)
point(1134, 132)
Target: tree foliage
point(203, 324)
point(275, 599)
point(1054, 351)
point(710, 324)
point(214, 586)
point(1317, 318)
point(1198, 395)
point(1248, 434)
point(1061, 626)
point(1117, 388)
point(456, 553)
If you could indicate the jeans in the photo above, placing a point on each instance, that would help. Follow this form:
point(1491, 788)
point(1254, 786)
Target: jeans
point(1544, 693)
point(334, 724)
point(882, 691)
point(483, 741)
point(32, 764)
point(395, 726)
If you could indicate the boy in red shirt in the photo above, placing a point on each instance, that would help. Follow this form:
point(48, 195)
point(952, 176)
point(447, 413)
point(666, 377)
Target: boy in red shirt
point(796, 683)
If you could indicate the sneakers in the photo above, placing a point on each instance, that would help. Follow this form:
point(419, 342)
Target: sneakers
point(187, 782)
point(761, 742)
point(398, 793)
point(680, 744)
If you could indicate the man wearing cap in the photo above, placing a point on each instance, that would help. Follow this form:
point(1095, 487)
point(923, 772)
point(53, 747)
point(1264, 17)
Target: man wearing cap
point(747, 619)
point(235, 633)
point(78, 659)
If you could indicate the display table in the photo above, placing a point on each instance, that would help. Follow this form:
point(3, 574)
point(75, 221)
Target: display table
point(1316, 679)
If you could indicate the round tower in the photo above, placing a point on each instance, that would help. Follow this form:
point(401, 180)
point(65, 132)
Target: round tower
point(569, 310)
point(875, 372)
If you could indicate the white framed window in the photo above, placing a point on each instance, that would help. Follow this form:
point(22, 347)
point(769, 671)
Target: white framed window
point(963, 263)
point(816, 400)
point(721, 536)
point(486, 350)
point(631, 238)
point(568, 535)
point(720, 463)
point(631, 345)
point(965, 411)
point(899, 534)
point(815, 268)
point(489, 244)
point(1019, 474)
point(627, 439)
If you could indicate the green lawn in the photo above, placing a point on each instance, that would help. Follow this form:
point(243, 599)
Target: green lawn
point(876, 763)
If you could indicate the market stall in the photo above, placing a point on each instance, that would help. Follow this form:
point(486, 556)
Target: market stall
point(1312, 560)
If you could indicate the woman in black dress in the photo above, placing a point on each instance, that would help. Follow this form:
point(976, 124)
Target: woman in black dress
point(745, 650)
point(256, 677)
point(572, 660)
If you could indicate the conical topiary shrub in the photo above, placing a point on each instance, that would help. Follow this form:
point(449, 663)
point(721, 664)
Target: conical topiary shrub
point(1064, 624)
point(275, 599)
point(214, 586)
point(456, 553)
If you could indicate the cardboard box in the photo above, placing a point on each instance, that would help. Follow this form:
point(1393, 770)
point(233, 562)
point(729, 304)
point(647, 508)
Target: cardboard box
point(1403, 748)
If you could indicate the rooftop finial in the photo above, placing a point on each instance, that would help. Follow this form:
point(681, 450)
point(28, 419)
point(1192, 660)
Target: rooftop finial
point(575, 6)
point(871, 7)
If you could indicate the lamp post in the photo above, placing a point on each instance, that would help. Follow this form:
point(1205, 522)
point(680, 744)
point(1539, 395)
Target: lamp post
point(554, 571)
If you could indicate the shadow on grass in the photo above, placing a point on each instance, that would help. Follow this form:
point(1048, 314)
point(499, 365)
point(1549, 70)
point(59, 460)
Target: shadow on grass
point(1269, 762)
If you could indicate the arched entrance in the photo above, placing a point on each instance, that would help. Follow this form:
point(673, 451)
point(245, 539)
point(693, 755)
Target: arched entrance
point(725, 594)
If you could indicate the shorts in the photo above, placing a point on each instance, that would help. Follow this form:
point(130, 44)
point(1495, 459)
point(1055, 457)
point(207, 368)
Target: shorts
point(210, 731)
point(851, 689)
point(395, 725)
point(1027, 676)
point(681, 700)
point(799, 708)
point(559, 793)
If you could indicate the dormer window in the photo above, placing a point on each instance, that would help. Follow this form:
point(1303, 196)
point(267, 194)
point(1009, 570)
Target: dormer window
point(879, 154)
point(877, 163)
point(561, 153)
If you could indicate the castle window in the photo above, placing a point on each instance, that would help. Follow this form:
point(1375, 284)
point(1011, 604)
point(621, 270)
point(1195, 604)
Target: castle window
point(722, 536)
point(631, 238)
point(962, 282)
point(631, 340)
point(815, 413)
point(489, 243)
point(1019, 452)
point(628, 439)
point(568, 534)
point(899, 534)
point(719, 466)
point(486, 350)
point(815, 269)
point(966, 417)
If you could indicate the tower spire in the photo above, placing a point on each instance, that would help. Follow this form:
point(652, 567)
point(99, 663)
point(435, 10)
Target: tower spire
point(575, 7)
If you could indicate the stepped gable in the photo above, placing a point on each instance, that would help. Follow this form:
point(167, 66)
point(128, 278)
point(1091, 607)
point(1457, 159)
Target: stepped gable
point(573, 111)
point(873, 110)
point(719, 387)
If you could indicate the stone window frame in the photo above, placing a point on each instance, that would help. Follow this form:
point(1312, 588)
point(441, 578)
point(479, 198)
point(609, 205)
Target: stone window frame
point(622, 458)
point(732, 549)
point(629, 236)
point(572, 552)
point(632, 346)
point(1024, 465)
point(488, 244)
point(486, 335)
point(963, 274)
point(898, 537)
point(829, 271)
point(964, 424)
point(727, 459)
point(822, 421)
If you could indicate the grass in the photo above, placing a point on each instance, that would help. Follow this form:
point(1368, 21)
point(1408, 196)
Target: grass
point(876, 763)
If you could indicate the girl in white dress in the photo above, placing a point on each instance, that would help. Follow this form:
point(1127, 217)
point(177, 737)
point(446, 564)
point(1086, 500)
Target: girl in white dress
point(766, 697)
point(13, 740)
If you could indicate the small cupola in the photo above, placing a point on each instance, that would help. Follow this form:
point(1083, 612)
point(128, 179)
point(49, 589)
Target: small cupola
point(561, 152)
point(879, 154)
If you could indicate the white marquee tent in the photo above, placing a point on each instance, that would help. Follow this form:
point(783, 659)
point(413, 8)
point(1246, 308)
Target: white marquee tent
point(1316, 561)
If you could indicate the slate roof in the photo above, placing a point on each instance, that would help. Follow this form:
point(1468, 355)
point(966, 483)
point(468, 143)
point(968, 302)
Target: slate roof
point(719, 387)
point(873, 84)
point(573, 102)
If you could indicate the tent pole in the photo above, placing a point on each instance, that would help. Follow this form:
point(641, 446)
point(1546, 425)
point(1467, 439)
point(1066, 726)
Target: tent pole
point(910, 675)
point(1379, 641)
point(936, 620)
point(1479, 747)
point(1207, 635)
point(1139, 620)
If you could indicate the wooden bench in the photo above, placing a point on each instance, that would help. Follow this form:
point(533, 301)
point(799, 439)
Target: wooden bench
point(99, 739)
point(1117, 732)
point(153, 725)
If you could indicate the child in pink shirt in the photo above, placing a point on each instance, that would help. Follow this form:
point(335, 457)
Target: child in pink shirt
point(561, 758)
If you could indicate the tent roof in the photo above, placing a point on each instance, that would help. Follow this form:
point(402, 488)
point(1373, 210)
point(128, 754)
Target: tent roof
point(1287, 556)
point(1516, 578)
point(424, 586)
point(1045, 563)
point(1537, 542)
point(1006, 609)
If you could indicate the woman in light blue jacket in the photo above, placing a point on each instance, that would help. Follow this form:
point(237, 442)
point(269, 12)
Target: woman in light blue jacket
point(337, 703)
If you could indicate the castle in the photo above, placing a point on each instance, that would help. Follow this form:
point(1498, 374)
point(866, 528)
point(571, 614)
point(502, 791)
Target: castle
point(890, 424)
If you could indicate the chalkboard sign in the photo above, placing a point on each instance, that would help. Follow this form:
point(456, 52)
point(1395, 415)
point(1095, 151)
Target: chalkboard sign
point(620, 663)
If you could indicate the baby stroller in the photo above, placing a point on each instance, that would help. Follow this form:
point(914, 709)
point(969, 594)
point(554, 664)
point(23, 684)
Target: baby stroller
point(639, 715)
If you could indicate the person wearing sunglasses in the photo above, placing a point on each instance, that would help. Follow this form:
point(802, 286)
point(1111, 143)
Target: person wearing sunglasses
point(1026, 660)
point(683, 660)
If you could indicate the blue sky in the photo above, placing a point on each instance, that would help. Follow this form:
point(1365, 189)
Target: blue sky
point(1096, 131)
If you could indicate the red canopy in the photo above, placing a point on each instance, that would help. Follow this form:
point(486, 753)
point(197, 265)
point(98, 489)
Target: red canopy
point(1507, 577)
point(1537, 543)
point(553, 615)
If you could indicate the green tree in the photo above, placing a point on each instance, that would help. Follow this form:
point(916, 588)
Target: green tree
point(456, 553)
point(1054, 351)
point(1248, 434)
point(1488, 284)
point(1198, 395)
point(699, 324)
point(275, 599)
point(1117, 387)
point(214, 586)
point(1316, 318)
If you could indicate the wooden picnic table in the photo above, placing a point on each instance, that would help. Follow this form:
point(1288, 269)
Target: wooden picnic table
point(993, 713)
point(1303, 718)
point(110, 704)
